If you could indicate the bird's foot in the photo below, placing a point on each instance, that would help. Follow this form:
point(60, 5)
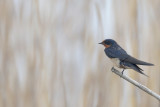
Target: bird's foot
point(122, 72)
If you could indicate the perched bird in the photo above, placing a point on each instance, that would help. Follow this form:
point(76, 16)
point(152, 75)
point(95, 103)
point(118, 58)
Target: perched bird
point(120, 58)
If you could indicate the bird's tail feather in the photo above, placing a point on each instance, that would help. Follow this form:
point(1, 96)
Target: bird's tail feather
point(138, 69)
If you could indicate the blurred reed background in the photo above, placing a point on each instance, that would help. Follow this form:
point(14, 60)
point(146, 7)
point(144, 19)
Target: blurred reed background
point(50, 57)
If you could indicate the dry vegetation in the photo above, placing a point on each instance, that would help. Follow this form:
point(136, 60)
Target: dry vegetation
point(49, 56)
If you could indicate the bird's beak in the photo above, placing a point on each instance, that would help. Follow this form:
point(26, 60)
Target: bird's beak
point(100, 43)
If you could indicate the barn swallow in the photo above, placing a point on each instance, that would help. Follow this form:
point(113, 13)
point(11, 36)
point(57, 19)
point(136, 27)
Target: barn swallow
point(120, 58)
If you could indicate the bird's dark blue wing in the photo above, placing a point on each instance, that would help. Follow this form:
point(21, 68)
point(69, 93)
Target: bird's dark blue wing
point(136, 61)
point(123, 56)
point(116, 53)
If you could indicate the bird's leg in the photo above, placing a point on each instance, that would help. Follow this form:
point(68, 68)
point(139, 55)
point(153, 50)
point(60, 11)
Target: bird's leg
point(123, 71)
point(122, 66)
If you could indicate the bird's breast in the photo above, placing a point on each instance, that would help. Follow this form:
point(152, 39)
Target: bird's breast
point(116, 62)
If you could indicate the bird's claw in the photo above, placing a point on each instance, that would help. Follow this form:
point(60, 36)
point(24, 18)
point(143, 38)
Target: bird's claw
point(122, 73)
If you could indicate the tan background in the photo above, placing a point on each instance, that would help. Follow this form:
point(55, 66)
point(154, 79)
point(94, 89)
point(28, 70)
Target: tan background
point(50, 57)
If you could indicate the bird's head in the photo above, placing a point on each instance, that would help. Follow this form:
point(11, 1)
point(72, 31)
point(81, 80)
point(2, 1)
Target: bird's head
point(108, 42)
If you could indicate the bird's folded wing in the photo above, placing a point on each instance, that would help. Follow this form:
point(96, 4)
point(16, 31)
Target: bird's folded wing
point(136, 61)
point(121, 54)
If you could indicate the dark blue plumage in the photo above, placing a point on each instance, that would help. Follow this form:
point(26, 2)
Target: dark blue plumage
point(121, 58)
